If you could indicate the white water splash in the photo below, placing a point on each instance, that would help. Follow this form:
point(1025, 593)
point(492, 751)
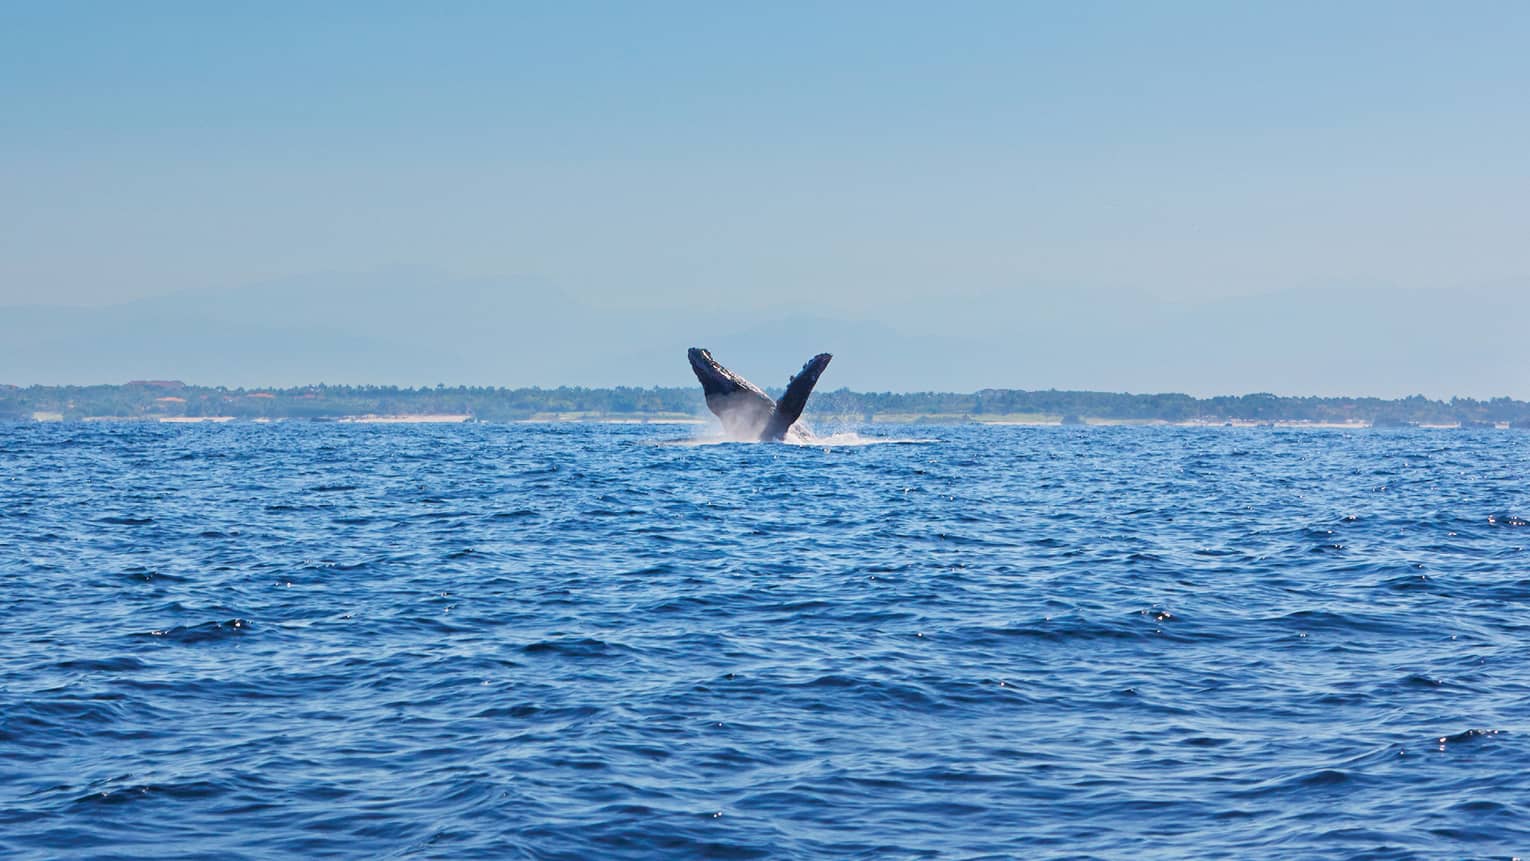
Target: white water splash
point(849, 439)
point(801, 437)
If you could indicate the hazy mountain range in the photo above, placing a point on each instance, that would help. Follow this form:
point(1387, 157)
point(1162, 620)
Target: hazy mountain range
point(416, 326)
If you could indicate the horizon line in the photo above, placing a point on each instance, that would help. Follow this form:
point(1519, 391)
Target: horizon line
point(167, 383)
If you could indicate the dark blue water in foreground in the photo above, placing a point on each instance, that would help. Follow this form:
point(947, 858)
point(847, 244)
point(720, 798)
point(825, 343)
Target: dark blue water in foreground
point(567, 641)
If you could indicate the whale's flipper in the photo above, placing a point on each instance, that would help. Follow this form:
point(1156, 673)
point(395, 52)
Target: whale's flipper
point(747, 412)
point(790, 407)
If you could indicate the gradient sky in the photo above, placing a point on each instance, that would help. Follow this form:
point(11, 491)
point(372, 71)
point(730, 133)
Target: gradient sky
point(856, 155)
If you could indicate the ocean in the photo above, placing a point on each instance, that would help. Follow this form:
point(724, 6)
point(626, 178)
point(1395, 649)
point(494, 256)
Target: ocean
point(583, 641)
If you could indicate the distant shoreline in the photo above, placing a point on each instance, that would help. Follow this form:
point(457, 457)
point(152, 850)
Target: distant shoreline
point(173, 401)
point(439, 418)
point(422, 418)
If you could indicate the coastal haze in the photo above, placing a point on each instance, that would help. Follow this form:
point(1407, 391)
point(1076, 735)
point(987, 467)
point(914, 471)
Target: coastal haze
point(422, 326)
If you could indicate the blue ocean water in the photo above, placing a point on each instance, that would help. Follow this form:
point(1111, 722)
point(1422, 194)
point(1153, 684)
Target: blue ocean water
point(589, 642)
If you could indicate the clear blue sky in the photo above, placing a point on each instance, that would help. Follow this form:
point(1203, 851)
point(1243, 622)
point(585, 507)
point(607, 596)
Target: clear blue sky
point(851, 154)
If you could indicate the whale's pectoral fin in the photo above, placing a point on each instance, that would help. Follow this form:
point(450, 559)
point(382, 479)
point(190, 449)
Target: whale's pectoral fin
point(790, 407)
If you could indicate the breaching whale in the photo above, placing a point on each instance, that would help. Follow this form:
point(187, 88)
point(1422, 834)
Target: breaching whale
point(747, 412)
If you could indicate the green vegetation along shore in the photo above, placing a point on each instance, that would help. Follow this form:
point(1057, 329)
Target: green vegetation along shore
point(170, 400)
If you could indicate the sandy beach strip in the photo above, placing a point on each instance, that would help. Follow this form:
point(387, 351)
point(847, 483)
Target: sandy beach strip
point(188, 420)
point(423, 418)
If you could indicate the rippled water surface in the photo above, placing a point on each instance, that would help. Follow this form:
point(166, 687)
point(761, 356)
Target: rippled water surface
point(570, 641)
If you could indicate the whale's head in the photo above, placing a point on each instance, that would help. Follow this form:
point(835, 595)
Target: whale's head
point(738, 403)
point(706, 368)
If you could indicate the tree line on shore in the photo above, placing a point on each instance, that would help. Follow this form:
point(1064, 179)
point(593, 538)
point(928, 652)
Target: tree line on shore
point(156, 399)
